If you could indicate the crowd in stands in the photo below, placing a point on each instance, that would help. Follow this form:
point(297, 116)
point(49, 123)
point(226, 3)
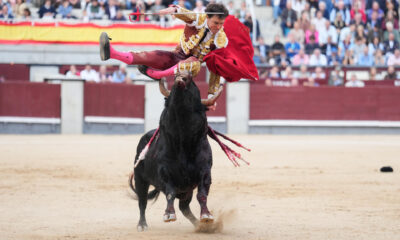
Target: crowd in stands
point(87, 10)
point(103, 75)
point(361, 33)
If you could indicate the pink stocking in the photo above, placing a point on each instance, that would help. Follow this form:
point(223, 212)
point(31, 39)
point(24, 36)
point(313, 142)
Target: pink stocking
point(162, 73)
point(125, 57)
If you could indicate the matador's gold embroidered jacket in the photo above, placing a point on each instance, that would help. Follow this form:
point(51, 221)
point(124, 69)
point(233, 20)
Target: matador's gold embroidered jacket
point(194, 31)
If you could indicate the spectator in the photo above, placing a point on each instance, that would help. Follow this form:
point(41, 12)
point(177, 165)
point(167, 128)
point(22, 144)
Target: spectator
point(47, 11)
point(94, 10)
point(199, 7)
point(329, 46)
point(282, 59)
point(345, 45)
point(103, 75)
point(379, 58)
point(375, 32)
point(360, 33)
point(276, 10)
point(375, 45)
point(297, 33)
point(19, 8)
point(392, 6)
point(336, 78)
point(305, 21)
point(65, 10)
point(183, 3)
point(76, 4)
point(374, 75)
point(311, 46)
point(333, 58)
point(338, 22)
point(241, 13)
point(119, 17)
point(298, 6)
point(4, 13)
point(72, 72)
point(301, 58)
point(302, 73)
point(27, 14)
point(312, 32)
point(318, 73)
point(112, 9)
point(391, 30)
point(343, 11)
point(365, 59)
point(348, 59)
point(357, 21)
point(120, 76)
point(318, 59)
point(131, 5)
point(389, 18)
point(292, 47)
point(277, 47)
point(310, 82)
point(374, 21)
point(350, 30)
point(231, 8)
point(257, 57)
point(294, 82)
point(391, 44)
point(322, 8)
point(264, 49)
point(359, 46)
point(318, 21)
point(326, 32)
point(274, 72)
point(287, 73)
point(354, 82)
point(357, 10)
point(289, 17)
point(394, 59)
point(249, 23)
point(375, 10)
point(89, 74)
point(391, 74)
point(155, 9)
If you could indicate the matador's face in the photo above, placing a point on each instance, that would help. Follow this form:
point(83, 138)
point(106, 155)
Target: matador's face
point(215, 23)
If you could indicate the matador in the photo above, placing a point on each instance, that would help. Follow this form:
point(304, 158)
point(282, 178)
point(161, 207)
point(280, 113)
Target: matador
point(202, 34)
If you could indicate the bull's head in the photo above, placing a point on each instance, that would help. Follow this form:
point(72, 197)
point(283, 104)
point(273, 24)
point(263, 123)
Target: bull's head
point(183, 80)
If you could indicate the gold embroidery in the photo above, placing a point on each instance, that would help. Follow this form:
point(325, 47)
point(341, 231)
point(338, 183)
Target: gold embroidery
point(192, 66)
point(221, 40)
point(213, 83)
point(187, 18)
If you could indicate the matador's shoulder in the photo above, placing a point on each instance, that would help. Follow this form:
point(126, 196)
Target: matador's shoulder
point(221, 40)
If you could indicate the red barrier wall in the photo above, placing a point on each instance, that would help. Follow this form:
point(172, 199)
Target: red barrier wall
point(324, 103)
point(30, 100)
point(13, 72)
point(114, 100)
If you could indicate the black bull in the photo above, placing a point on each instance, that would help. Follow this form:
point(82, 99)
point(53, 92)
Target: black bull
point(180, 157)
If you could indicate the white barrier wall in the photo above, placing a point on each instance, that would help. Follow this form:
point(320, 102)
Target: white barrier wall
point(72, 106)
point(153, 106)
point(237, 104)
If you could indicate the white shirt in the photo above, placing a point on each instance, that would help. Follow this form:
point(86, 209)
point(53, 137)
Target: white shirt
point(356, 83)
point(91, 75)
point(318, 61)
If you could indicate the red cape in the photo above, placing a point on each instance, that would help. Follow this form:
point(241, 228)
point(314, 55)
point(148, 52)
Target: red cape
point(236, 60)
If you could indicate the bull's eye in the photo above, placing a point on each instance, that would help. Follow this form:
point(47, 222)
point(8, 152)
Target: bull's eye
point(184, 79)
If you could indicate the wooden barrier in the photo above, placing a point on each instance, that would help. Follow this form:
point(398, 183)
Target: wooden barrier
point(114, 100)
point(30, 100)
point(324, 103)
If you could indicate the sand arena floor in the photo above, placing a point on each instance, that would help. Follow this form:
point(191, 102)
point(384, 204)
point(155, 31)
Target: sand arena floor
point(297, 187)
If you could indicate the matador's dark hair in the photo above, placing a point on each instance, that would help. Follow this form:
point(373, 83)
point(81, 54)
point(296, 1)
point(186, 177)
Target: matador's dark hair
point(217, 7)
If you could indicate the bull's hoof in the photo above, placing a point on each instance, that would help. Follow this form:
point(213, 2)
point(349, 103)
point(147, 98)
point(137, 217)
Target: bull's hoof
point(141, 228)
point(169, 217)
point(206, 218)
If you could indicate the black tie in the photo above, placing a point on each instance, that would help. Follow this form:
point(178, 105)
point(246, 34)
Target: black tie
point(204, 36)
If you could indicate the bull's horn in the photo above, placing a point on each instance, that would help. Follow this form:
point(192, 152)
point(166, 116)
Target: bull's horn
point(163, 90)
point(213, 99)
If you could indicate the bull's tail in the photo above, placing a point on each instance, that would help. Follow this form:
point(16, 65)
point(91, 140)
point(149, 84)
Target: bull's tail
point(153, 194)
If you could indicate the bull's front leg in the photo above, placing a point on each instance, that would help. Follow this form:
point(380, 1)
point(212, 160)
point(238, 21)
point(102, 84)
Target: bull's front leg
point(202, 194)
point(169, 215)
